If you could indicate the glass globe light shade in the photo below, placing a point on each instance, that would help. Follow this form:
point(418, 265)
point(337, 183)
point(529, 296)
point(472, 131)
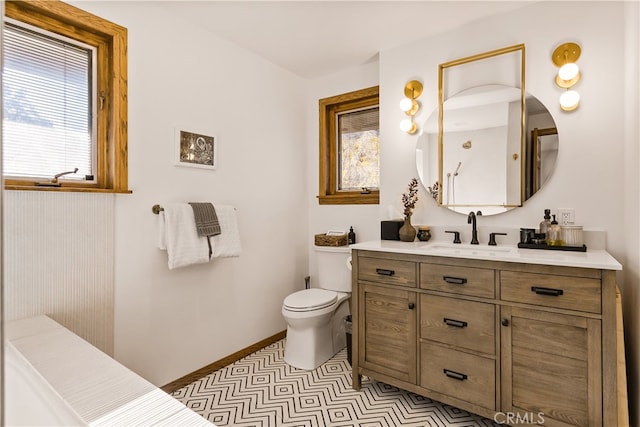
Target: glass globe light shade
point(408, 126)
point(405, 125)
point(406, 104)
point(568, 71)
point(569, 100)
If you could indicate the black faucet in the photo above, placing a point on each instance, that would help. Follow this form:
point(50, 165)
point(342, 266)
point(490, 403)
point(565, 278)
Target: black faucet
point(471, 219)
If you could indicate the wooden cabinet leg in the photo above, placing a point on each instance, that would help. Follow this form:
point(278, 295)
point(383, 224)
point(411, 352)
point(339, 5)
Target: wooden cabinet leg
point(357, 380)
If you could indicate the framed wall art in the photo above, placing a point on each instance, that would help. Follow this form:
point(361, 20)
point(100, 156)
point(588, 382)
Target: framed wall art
point(195, 149)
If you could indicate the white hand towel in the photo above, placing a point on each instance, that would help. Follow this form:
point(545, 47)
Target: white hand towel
point(184, 246)
point(160, 231)
point(227, 243)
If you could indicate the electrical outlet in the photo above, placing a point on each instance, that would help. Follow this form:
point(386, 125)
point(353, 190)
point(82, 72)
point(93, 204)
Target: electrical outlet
point(566, 216)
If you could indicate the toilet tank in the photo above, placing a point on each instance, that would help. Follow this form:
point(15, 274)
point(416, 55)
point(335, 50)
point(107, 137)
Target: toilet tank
point(334, 268)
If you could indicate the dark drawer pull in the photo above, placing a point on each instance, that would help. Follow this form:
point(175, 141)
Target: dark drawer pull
point(456, 323)
point(454, 280)
point(385, 272)
point(547, 291)
point(455, 375)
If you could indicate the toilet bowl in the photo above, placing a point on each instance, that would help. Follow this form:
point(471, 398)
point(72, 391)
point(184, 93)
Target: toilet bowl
point(315, 316)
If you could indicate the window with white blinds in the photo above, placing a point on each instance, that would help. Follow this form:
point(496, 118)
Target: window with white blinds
point(48, 103)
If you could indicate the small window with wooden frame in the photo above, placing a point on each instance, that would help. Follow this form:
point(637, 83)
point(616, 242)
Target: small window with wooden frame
point(64, 99)
point(349, 148)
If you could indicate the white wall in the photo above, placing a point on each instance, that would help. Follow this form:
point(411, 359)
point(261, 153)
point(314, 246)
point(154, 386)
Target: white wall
point(581, 151)
point(170, 323)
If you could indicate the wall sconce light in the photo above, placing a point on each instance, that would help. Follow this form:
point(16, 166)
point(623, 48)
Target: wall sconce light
point(410, 106)
point(565, 57)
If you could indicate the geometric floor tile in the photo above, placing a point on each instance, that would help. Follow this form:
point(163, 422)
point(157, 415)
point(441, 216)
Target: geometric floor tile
point(262, 390)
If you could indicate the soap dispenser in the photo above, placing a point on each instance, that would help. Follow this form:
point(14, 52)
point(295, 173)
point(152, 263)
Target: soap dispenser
point(553, 234)
point(351, 236)
point(546, 222)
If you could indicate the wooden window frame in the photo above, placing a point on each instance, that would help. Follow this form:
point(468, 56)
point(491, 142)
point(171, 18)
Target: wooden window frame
point(328, 110)
point(111, 42)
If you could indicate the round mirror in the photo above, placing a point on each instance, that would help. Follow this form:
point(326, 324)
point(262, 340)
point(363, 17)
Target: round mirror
point(484, 163)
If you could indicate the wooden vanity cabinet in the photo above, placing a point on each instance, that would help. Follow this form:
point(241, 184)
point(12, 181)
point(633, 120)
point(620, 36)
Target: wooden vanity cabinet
point(489, 337)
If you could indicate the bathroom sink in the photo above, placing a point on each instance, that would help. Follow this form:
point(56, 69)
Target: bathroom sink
point(465, 250)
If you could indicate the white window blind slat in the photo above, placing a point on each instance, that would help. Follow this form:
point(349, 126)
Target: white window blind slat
point(47, 103)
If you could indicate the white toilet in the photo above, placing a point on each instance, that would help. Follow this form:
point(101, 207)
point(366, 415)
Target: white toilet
point(315, 317)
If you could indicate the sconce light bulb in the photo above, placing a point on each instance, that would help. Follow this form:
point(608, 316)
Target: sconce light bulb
point(569, 100)
point(406, 125)
point(568, 71)
point(406, 104)
point(409, 106)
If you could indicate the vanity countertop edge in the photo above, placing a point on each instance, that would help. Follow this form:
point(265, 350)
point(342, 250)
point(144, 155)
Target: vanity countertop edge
point(593, 258)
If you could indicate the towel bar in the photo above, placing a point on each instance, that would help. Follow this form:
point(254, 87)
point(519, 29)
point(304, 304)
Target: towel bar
point(157, 208)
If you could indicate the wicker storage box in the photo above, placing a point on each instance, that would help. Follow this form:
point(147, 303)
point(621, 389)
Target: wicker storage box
point(324, 240)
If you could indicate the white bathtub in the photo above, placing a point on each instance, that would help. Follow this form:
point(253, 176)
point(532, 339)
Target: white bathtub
point(55, 378)
point(30, 400)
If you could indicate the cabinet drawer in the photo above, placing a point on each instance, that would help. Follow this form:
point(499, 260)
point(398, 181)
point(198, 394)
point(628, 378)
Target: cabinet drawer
point(466, 324)
point(460, 375)
point(571, 293)
point(472, 281)
point(389, 271)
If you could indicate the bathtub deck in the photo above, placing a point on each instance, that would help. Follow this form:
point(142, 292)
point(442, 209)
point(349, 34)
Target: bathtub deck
point(98, 388)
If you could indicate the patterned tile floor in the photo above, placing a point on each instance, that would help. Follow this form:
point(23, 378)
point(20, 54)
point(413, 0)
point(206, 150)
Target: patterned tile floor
point(262, 390)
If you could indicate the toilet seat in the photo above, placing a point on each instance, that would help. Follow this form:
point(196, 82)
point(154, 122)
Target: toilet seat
point(310, 300)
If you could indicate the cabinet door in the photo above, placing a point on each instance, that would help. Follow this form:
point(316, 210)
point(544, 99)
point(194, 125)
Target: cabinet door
point(551, 367)
point(388, 338)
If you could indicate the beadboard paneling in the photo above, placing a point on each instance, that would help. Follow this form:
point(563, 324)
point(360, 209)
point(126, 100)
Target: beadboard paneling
point(59, 254)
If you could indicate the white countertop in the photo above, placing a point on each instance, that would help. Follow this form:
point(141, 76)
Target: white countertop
point(593, 258)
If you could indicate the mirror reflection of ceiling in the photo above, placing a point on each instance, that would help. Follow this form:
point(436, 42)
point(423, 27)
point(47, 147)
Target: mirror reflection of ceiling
point(478, 161)
point(477, 108)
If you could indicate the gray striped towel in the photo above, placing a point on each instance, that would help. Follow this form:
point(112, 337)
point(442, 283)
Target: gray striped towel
point(206, 219)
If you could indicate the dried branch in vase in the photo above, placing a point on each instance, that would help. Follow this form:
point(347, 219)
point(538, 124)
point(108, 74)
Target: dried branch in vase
point(410, 198)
